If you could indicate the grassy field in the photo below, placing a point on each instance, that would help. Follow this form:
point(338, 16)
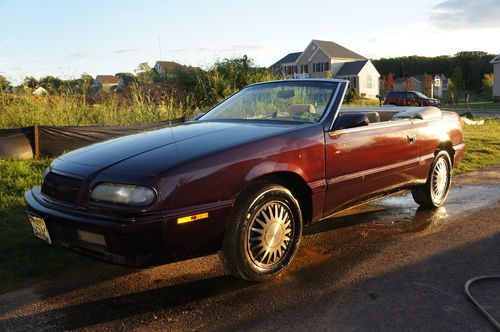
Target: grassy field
point(482, 146)
point(477, 105)
point(24, 258)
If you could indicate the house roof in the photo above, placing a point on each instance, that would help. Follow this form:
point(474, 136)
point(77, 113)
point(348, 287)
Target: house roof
point(290, 57)
point(403, 79)
point(107, 79)
point(171, 66)
point(334, 50)
point(495, 59)
point(351, 68)
point(168, 65)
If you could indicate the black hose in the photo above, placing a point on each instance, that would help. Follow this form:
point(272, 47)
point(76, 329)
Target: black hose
point(478, 306)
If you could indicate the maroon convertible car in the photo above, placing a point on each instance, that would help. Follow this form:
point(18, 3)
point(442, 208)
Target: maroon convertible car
point(244, 178)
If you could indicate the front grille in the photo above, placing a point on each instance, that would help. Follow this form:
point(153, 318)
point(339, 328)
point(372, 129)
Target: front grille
point(60, 187)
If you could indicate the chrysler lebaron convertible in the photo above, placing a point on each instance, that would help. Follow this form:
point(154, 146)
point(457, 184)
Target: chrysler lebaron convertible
point(243, 179)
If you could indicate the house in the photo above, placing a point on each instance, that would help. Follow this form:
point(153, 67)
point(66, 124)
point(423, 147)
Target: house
point(496, 78)
point(124, 81)
point(418, 83)
point(322, 59)
point(285, 64)
point(170, 69)
point(105, 83)
point(40, 91)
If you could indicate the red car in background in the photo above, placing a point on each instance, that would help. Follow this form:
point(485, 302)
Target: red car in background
point(410, 98)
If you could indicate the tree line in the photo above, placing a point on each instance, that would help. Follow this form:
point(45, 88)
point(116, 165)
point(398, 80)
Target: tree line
point(468, 68)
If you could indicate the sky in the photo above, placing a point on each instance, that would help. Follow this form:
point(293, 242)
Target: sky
point(66, 38)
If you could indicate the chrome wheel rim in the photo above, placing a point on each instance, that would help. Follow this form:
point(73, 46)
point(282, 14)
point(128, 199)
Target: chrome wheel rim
point(270, 235)
point(439, 180)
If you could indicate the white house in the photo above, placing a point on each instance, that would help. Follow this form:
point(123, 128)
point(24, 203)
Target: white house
point(40, 91)
point(325, 59)
point(496, 78)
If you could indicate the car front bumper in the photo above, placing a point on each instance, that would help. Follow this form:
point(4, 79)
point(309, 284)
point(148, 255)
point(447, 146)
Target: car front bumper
point(143, 243)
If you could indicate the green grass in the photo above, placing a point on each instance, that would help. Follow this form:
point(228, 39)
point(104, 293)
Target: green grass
point(482, 146)
point(23, 257)
point(74, 110)
point(477, 105)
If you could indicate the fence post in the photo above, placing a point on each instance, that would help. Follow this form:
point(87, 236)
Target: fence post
point(36, 139)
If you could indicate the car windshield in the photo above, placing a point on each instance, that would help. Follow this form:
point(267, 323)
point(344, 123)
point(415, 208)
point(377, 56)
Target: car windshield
point(298, 101)
point(421, 95)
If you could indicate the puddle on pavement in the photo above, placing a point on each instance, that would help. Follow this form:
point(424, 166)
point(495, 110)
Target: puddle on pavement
point(399, 213)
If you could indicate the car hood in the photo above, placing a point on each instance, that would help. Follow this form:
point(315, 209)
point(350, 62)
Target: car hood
point(152, 152)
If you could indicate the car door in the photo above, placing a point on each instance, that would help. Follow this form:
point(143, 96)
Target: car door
point(365, 161)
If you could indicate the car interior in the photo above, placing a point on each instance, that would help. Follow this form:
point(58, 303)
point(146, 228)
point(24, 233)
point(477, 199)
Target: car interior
point(391, 113)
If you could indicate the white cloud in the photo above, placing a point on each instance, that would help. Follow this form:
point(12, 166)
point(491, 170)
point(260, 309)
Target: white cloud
point(127, 50)
point(466, 14)
point(232, 48)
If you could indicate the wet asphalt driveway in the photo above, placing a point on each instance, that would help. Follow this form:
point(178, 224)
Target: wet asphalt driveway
point(386, 267)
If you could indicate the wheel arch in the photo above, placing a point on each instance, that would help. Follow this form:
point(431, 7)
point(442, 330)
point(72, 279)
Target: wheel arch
point(293, 182)
point(448, 147)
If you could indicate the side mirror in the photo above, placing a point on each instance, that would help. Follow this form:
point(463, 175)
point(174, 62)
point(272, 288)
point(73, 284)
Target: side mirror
point(351, 120)
point(198, 116)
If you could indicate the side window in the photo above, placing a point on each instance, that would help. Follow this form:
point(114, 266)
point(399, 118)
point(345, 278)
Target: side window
point(410, 95)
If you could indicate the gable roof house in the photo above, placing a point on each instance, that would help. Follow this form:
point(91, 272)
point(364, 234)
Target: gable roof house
point(170, 69)
point(496, 78)
point(324, 58)
point(105, 82)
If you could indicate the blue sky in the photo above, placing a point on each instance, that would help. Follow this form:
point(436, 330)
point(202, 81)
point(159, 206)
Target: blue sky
point(68, 37)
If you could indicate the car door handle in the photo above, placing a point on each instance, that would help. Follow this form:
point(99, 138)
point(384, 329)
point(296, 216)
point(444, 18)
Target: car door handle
point(411, 139)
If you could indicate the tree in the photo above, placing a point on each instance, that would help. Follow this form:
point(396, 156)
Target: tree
point(409, 84)
point(30, 82)
point(388, 82)
point(487, 85)
point(144, 73)
point(4, 84)
point(428, 80)
point(458, 81)
point(51, 84)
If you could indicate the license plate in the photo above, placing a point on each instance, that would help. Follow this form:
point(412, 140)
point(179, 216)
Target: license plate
point(39, 228)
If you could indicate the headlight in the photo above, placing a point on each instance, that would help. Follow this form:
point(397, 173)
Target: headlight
point(123, 194)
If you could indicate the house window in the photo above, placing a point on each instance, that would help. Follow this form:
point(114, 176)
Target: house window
point(306, 68)
point(295, 69)
point(314, 67)
point(369, 83)
point(321, 67)
point(327, 66)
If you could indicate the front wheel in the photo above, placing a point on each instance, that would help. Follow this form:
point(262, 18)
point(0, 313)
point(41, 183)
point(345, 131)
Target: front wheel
point(263, 232)
point(434, 192)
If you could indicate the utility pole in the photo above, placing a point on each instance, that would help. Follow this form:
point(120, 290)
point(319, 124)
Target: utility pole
point(159, 45)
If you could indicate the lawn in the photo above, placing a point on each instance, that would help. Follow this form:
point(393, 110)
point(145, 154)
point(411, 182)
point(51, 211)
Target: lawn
point(477, 105)
point(482, 146)
point(23, 258)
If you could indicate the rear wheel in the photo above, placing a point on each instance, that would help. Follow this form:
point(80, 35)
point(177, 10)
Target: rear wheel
point(434, 192)
point(263, 232)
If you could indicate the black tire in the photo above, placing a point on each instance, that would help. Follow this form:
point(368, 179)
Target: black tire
point(247, 235)
point(434, 192)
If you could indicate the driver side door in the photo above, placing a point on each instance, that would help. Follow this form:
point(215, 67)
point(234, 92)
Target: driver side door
point(365, 161)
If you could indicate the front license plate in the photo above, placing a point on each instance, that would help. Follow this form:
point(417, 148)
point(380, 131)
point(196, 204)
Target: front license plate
point(39, 228)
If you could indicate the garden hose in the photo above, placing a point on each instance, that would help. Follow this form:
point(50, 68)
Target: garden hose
point(479, 306)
